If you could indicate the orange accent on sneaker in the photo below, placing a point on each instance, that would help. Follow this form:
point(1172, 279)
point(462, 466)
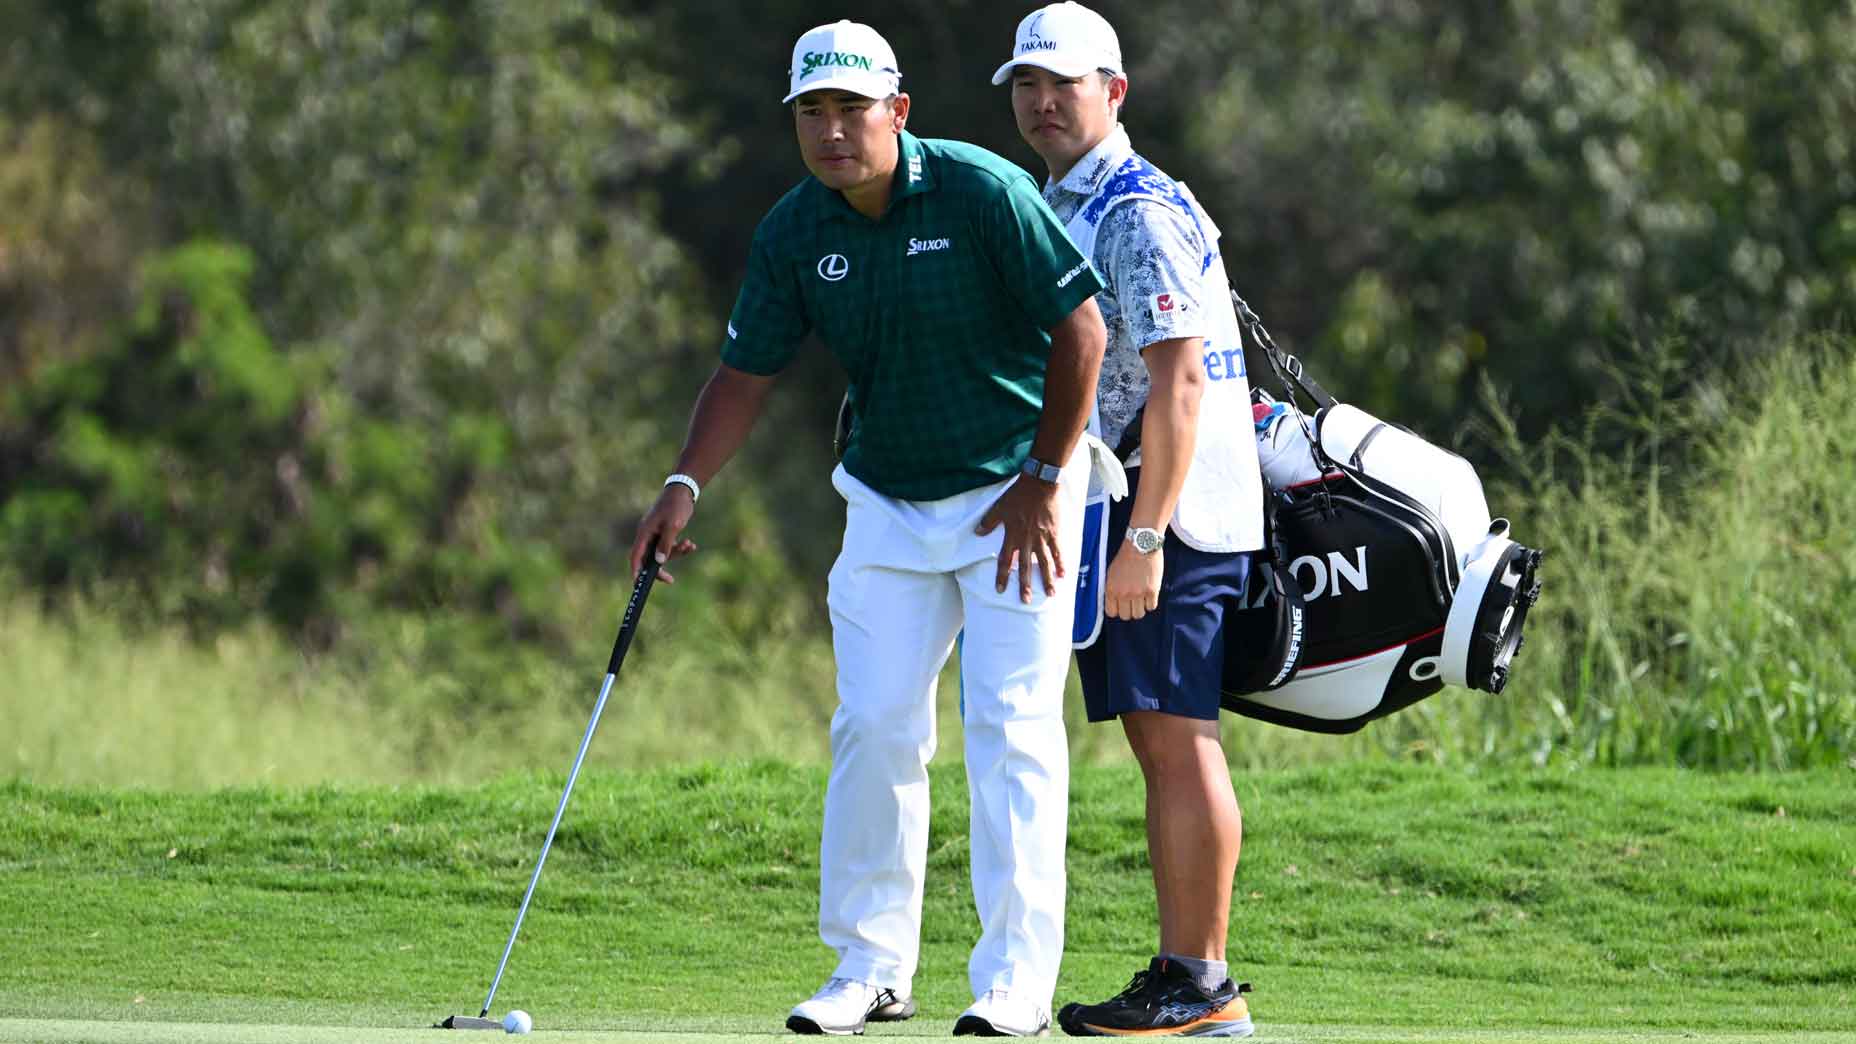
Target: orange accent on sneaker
point(1236, 1011)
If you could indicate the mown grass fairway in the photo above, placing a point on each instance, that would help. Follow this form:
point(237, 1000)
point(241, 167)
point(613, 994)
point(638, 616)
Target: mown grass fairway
point(103, 1032)
point(1375, 902)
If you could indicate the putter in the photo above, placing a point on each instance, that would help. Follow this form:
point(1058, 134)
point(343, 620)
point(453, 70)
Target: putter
point(627, 628)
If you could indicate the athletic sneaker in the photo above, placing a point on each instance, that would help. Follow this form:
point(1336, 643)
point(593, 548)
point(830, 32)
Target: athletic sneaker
point(1163, 1001)
point(997, 1014)
point(842, 1006)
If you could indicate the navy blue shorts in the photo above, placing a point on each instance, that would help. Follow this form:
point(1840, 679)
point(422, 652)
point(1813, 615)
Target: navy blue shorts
point(1172, 659)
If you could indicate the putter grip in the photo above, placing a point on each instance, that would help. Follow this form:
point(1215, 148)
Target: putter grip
point(629, 626)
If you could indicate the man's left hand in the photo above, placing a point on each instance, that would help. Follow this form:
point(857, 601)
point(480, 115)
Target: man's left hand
point(1028, 510)
point(1133, 587)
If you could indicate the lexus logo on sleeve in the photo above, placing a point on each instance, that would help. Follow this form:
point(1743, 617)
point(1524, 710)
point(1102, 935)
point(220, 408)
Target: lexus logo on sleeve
point(833, 267)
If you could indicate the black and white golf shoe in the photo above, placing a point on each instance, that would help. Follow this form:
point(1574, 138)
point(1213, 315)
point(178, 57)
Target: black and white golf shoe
point(1000, 1014)
point(842, 1006)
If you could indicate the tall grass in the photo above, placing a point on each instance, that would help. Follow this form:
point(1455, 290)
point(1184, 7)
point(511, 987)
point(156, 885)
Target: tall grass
point(1698, 581)
point(87, 698)
point(1700, 560)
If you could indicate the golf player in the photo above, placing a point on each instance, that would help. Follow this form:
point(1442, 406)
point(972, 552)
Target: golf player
point(1179, 545)
point(965, 320)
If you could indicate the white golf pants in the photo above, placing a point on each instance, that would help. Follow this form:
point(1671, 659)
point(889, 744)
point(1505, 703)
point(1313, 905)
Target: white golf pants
point(910, 576)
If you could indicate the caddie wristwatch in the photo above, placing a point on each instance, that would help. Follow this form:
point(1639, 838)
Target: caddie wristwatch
point(1041, 471)
point(1145, 540)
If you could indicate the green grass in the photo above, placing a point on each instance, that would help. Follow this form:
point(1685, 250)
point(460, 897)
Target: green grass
point(1374, 902)
point(85, 1031)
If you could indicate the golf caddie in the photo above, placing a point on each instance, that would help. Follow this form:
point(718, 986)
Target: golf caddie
point(964, 318)
point(1174, 398)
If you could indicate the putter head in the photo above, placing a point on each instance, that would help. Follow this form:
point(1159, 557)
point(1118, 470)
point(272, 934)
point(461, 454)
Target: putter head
point(469, 1022)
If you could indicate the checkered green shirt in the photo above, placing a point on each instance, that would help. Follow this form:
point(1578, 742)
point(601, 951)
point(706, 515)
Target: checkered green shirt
point(937, 312)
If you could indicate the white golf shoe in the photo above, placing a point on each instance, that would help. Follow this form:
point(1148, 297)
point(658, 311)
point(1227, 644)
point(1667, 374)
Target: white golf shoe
point(842, 1006)
point(999, 1014)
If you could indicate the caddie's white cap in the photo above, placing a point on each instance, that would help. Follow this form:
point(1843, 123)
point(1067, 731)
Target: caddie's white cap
point(844, 56)
point(1068, 39)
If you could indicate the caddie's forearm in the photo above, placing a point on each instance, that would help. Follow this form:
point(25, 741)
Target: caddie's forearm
point(1169, 429)
point(1076, 346)
point(725, 413)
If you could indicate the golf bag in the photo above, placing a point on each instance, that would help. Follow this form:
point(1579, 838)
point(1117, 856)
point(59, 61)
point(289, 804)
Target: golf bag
point(1385, 577)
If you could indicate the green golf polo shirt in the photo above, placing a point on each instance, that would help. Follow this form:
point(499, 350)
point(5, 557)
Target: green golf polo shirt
point(937, 312)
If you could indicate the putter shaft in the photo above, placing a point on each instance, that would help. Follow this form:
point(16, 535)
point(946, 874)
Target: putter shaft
point(627, 628)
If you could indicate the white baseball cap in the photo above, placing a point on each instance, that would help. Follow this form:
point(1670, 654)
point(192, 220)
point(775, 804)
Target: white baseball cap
point(1067, 38)
point(844, 56)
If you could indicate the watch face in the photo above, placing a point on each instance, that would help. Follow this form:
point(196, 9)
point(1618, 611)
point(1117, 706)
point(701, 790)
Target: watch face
point(1146, 541)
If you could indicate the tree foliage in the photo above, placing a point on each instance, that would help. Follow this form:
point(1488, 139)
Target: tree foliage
point(1421, 194)
point(219, 476)
point(1513, 189)
point(464, 264)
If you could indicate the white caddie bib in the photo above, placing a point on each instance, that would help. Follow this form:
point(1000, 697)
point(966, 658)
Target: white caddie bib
point(1221, 505)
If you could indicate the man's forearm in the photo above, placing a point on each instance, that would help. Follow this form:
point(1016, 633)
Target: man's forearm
point(1076, 346)
point(1169, 429)
point(725, 413)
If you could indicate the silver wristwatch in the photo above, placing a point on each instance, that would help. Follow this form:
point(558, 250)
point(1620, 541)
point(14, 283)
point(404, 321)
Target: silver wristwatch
point(1041, 471)
point(1145, 540)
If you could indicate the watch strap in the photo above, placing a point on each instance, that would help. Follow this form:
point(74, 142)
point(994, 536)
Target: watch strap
point(1041, 471)
point(1146, 540)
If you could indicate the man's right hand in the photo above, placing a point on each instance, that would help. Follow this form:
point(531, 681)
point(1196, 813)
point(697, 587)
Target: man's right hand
point(725, 411)
point(660, 533)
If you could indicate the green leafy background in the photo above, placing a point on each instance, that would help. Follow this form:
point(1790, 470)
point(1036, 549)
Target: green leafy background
point(363, 332)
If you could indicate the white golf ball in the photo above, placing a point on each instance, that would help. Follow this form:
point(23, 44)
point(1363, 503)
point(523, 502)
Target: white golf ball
point(517, 1022)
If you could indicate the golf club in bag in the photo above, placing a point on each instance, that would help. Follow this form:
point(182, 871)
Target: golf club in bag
point(1384, 578)
point(627, 628)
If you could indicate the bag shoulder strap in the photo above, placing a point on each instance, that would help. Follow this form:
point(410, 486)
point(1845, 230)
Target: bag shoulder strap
point(1287, 367)
point(1131, 435)
point(1277, 664)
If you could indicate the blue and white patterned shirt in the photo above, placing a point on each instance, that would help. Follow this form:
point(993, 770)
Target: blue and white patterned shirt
point(1157, 254)
point(1148, 255)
